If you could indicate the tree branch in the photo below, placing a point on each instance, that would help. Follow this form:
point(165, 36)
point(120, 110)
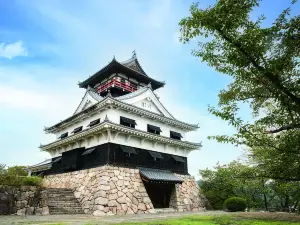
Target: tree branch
point(271, 77)
point(287, 127)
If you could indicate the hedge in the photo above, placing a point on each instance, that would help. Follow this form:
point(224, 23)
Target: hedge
point(235, 204)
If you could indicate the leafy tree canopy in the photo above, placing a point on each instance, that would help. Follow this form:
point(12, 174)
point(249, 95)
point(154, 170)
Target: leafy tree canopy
point(239, 180)
point(264, 64)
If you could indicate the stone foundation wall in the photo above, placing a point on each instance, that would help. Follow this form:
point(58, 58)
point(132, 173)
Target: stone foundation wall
point(186, 196)
point(25, 200)
point(110, 190)
point(105, 190)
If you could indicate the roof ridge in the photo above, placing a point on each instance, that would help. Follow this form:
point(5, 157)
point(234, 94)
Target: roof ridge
point(134, 60)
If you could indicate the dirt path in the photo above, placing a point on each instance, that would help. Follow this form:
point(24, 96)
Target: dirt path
point(85, 219)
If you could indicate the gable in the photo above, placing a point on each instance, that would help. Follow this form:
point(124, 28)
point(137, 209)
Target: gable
point(88, 100)
point(146, 99)
point(148, 105)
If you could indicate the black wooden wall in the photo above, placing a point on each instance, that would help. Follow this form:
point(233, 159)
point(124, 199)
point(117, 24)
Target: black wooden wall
point(112, 154)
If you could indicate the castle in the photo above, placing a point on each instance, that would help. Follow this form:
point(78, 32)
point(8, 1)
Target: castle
point(122, 151)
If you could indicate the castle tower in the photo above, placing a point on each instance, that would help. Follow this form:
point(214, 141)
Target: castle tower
point(122, 151)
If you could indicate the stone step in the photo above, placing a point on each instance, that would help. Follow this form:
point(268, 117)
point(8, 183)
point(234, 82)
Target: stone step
point(63, 211)
point(57, 208)
point(64, 205)
point(62, 197)
point(60, 193)
point(63, 201)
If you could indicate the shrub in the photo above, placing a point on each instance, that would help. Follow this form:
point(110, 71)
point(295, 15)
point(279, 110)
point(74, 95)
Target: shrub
point(6, 179)
point(298, 208)
point(235, 204)
point(32, 181)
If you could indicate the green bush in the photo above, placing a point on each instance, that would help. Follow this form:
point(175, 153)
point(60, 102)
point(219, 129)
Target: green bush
point(32, 181)
point(6, 179)
point(235, 204)
point(298, 208)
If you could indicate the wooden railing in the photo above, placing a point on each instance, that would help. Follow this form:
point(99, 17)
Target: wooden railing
point(116, 83)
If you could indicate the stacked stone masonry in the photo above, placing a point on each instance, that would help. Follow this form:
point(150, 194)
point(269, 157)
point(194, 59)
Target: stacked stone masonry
point(109, 190)
point(25, 200)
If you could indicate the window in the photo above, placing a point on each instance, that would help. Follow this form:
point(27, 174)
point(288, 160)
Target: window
point(64, 135)
point(76, 130)
point(175, 135)
point(153, 129)
point(156, 156)
point(56, 160)
point(88, 151)
point(178, 159)
point(127, 122)
point(128, 151)
point(94, 122)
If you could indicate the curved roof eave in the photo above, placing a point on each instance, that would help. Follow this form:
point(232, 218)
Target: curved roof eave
point(114, 62)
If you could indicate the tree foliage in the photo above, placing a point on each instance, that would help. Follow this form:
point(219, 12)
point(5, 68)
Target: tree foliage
point(264, 65)
point(17, 176)
point(239, 180)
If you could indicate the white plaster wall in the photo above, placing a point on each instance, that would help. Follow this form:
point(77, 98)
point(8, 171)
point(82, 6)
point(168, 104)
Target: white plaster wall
point(114, 116)
point(122, 139)
point(148, 105)
point(149, 96)
point(150, 145)
point(142, 122)
point(83, 123)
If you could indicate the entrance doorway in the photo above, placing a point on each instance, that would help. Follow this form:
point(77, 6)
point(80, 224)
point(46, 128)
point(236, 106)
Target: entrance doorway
point(159, 194)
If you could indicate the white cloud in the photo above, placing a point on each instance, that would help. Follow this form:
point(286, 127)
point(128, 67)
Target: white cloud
point(12, 50)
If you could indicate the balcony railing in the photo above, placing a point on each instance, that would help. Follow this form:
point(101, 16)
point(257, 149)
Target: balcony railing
point(115, 83)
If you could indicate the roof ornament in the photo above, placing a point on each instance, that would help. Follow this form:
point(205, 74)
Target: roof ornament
point(149, 85)
point(106, 118)
point(133, 54)
point(108, 94)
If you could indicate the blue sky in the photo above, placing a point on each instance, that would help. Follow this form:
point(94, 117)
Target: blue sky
point(46, 47)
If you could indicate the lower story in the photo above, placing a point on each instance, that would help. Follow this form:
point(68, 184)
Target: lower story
point(115, 190)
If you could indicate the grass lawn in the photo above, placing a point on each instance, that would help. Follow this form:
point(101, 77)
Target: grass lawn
point(226, 220)
point(210, 218)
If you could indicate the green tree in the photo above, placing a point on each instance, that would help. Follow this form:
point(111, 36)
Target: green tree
point(264, 65)
point(17, 171)
point(232, 180)
point(240, 180)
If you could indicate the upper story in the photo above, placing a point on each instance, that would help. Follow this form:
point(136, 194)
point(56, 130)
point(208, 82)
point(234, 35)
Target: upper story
point(120, 78)
point(133, 114)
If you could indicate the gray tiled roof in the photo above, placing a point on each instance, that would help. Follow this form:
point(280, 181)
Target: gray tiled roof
point(159, 175)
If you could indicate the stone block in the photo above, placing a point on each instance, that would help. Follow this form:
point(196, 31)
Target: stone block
point(104, 187)
point(21, 212)
point(142, 206)
point(121, 200)
point(146, 200)
point(101, 201)
point(100, 193)
point(99, 213)
point(112, 196)
point(112, 203)
point(29, 211)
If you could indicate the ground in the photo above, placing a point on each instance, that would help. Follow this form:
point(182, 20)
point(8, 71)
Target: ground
point(199, 218)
